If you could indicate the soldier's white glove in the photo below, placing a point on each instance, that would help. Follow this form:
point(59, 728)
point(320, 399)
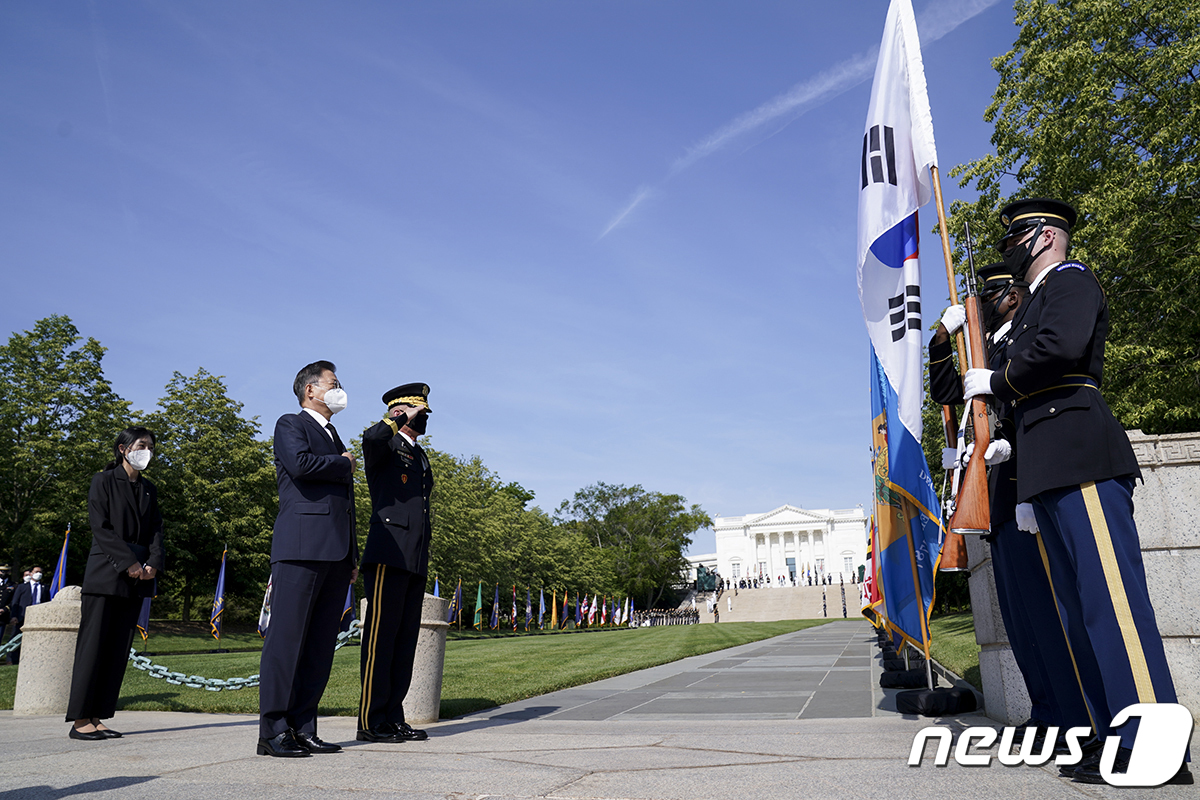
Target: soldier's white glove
point(1026, 519)
point(999, 451)
point(977, 382)
point(953, 318)
point(949, 457)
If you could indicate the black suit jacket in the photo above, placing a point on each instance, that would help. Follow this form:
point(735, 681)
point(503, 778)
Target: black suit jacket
point(316, 494)
point(23, 599)
point(401, 482)
point(1066, 434)
point(125, 518)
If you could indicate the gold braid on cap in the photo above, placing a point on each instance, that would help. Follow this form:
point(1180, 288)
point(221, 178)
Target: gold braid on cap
point(1035, 214)
point(412, 401)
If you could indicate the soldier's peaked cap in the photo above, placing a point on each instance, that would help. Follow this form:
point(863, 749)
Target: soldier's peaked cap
point(994, 277)
point(1022, 215)
point(413, 394)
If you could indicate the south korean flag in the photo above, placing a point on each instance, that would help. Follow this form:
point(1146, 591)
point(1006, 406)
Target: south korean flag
point(897, 152)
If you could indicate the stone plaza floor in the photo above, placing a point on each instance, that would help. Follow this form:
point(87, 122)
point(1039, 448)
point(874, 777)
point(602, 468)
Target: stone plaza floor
point(797, 716)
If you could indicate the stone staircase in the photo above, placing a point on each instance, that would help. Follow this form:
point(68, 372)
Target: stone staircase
point(769, 605)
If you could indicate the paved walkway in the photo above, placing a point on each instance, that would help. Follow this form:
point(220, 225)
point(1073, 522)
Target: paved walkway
point(800, 715)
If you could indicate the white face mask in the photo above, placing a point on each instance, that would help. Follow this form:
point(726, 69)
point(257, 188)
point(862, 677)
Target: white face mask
point(139, 459)
point(36, 577)
point(335, 400)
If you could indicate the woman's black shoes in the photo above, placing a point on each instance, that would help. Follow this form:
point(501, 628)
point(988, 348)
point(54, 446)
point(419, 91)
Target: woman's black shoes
point(90, 736)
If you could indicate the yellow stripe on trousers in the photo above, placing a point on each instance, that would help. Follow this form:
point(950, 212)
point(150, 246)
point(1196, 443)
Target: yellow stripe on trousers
point(373, 623)
point(1071, 652)
point(1116, 592)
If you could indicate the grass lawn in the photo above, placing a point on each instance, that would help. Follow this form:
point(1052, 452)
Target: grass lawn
point(479, 672)
point(953, 646)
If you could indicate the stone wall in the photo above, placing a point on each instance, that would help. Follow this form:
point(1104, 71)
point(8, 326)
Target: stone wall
point(1166, 510)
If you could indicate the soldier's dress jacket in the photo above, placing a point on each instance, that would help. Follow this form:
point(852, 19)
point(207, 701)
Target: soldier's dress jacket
point(400, 482)
point(945, 388)
point(1065, 433)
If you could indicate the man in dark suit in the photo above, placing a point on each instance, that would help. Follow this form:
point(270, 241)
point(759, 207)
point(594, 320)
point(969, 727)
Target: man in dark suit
point(27, 594)
point(395, 562)
point(314, 559)
point(1077, 468)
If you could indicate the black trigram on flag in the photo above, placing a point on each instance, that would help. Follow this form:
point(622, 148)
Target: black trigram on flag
point(905, 311)
point(875, 154)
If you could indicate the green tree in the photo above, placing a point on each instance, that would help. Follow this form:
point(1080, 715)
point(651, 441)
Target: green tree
point(216, 489)
point(645, 533)
point(58, 420)
point(1099, 104)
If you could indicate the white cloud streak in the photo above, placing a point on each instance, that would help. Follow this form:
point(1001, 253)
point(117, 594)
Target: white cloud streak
point(938, 19)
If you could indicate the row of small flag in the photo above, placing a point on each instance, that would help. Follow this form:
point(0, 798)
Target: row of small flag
point(595, 610)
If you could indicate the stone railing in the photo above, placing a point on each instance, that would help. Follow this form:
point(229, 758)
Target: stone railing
point(1166, 510)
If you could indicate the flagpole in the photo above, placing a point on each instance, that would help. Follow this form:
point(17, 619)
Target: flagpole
point(954, 547)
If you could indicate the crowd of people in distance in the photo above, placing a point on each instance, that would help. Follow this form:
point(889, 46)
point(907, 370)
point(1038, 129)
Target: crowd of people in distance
point(783, 581)
point(658, 616)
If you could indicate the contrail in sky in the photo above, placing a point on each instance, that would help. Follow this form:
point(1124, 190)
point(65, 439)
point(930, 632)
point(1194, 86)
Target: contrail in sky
point(938, 19)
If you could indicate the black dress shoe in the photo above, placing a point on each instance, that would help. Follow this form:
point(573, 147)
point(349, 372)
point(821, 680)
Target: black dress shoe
point(314, 744)
point(1092, 747)
point(109, 733)
point(406, 733)
point(283, 745)
point(90, 736)
point(383, 734)
point(1089, 771)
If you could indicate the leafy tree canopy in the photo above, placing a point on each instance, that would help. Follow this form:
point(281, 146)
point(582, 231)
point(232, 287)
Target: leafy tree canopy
point(1098, 104)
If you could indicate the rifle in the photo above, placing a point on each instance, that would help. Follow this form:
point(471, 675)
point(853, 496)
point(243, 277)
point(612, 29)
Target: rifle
point(972, 512)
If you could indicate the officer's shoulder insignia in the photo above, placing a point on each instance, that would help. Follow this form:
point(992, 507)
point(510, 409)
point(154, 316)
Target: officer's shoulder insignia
point(1070, 265)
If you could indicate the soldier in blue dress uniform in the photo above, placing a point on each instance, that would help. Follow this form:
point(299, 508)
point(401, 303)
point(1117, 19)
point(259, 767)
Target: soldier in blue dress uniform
point(1023, 589)
point(1076, 467)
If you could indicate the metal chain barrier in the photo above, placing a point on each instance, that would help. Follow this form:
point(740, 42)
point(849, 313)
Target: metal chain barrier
point(215, 684)
point(10, 646)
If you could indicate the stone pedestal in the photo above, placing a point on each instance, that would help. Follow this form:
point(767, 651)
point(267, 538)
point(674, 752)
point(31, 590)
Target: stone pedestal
point(1166, 508)
point(424, 697)
point(48, 654)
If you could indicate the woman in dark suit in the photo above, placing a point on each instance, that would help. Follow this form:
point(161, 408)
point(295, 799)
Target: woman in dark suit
point(126, 557)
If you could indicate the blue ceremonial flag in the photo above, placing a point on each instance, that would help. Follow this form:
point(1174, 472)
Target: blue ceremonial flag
point(897, 154)
point(435, 587)
point(456, 603)
point(348, 614)
point(218, 606)
point(541, 606)
point(528, 607)
point(143, 623)
point(578, 612)
point(60, 569)
point(494, 622)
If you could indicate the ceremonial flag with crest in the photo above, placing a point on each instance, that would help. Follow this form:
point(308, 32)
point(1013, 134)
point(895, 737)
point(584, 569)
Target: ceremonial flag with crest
point(528, 607)
point(264, 615)
point(541, 608)
point(478, 623)
point(60, 569)
point(218, 606)
point(143, 623)
point(897, 153)
point(494, 622)
point(578, 610)
point(455, 603)
point(348, 615)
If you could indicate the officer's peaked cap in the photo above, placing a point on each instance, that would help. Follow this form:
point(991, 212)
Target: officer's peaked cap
point(1022, 215)
point(413, 394)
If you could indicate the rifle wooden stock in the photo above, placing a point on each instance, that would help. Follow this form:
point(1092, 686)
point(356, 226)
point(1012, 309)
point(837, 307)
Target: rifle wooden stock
point(972, 512)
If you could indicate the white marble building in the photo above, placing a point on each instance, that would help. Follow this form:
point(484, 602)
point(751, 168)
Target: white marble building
point(788, 541)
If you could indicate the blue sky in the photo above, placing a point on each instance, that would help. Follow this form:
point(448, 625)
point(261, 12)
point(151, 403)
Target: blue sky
point(616, 238)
